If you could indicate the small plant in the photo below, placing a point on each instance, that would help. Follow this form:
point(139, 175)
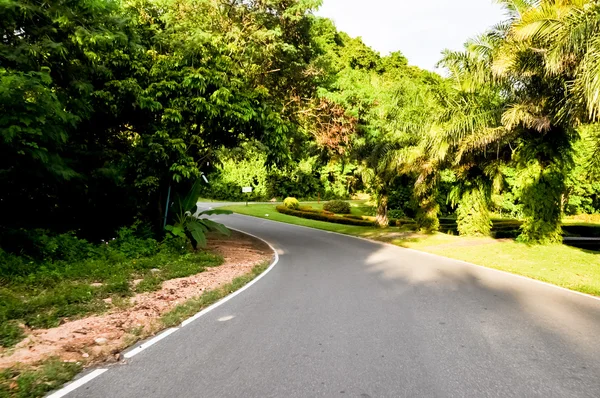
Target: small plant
point(337, 207)
point(189, 223)
point(291, 203)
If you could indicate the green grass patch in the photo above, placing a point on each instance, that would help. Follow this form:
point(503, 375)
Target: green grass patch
point(33, 382)
point(193, 306)
point(51, 290)
point(560, 265)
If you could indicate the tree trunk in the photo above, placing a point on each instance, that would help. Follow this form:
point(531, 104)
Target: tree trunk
point(382, 210)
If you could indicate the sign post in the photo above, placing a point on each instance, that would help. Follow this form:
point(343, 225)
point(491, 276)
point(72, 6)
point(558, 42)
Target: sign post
point(247, 190)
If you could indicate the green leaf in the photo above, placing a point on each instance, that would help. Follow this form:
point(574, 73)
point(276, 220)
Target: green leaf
point(214, 226)
point(198, 232)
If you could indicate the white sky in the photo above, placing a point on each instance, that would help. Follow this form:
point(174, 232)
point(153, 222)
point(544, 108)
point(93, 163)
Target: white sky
point(420, 29)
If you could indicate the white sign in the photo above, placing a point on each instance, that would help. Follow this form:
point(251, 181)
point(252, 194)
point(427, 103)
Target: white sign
point(247, 190)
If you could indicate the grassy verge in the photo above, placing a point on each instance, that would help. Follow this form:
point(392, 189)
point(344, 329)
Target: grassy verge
point(70, 290)
point(561, 265)
point(32, 382)
point(193, 306)
point(36, 381)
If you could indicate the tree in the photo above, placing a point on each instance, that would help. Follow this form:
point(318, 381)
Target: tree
point(469, 137)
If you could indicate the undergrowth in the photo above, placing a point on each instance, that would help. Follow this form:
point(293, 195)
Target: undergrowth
point(33, 382)
point(64, 277)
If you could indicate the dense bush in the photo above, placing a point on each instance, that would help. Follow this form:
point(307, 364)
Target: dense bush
point(291, 203)
point(541, 196)
point(325, 217)
point(472, 214)
point(337, 207)
point(427, 215)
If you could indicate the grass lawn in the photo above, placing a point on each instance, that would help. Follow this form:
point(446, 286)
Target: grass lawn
point(561, 265)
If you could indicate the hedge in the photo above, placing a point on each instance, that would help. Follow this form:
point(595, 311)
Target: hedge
point(324, 217)
point(337, 206)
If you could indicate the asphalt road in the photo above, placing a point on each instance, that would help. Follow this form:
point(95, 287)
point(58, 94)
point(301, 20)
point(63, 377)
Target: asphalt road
point(343, 317)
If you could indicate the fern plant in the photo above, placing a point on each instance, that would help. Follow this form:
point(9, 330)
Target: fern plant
point(189, 223)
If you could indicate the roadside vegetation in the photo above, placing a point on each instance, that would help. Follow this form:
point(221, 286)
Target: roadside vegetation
point(28, 382)
point(78, 278)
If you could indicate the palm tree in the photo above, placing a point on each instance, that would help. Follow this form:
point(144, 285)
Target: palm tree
point(569, 34)
point(541, 86)
point(470, 137)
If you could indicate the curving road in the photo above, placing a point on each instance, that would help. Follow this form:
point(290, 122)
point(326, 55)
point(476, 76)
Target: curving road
point(343, 317)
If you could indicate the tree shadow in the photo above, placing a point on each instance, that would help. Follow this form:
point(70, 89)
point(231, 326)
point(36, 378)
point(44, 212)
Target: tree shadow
point(489, 327)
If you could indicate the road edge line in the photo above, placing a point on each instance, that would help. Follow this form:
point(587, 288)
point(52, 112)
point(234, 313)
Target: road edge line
point(239, 291)
point(76, 384)
point(149, 343)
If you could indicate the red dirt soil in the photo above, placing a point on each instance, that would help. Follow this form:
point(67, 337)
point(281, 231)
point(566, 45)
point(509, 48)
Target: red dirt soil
point(102, 337)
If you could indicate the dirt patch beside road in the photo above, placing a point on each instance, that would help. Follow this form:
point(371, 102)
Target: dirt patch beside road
point(102, 337)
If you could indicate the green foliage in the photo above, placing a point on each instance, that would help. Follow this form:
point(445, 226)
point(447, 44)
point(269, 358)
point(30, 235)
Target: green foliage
point(21, 382)
point(401, 200)
point(106, 104)
point(39, 292)
point(189, 223)
point(241, 167)
point(322, 216)
point(427, 215)
point(10, 333)
point(473, 216)
point(396, 214)
point(541, 194)
point(337, 207)
point(309, 177)
point(291, 203)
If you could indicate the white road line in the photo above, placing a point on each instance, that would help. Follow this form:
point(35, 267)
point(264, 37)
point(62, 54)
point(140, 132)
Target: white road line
point(77, 383)
point(226, 299)
point(147, 344)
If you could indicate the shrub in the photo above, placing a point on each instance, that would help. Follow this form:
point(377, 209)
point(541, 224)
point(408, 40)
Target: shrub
point(472, 214)
point(337, 207)
point(427, 215)
point(396, 213)
point(324, 217)
point(291, 203)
